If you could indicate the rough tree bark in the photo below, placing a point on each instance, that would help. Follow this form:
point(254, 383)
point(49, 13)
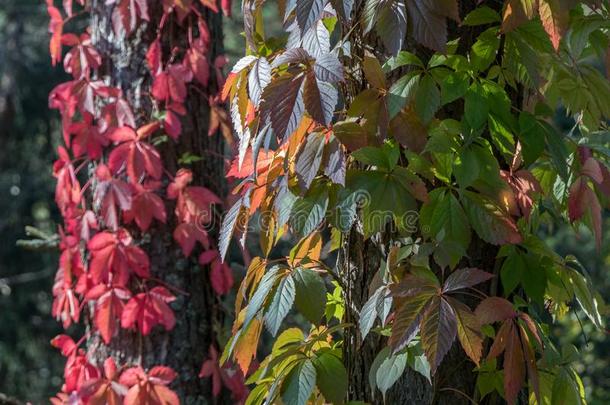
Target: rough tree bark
point(199, 316)
point(454, 382)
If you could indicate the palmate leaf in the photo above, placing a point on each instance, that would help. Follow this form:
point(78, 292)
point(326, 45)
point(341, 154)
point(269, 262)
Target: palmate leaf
point(280, 305)
point(491, 223)
point(308, 12)
point(282, 103)
point(343, 8)
point(320, 99)
point(514, 340)
point(308, 161)
point(299, 384)
point(438, 330)
point(310, 294)
point(328, 68)
point(258, 78)
point(468, 330)
point(331, 377)
point(427, 19)
point(391, 25)
point(316, 40)
point(406, 321)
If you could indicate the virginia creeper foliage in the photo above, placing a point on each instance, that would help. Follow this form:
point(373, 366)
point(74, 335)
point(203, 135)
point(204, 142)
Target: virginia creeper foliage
point(424, 128)
point(112, 189)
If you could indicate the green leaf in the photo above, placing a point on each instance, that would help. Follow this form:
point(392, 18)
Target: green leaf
point(353, 135)
point(484, 50)
point(476, 107)
point(308, 212)
point(331, 377)
point(401, 92)
point(480, 16)
point(403, 58)
point(262, 292)
point(489, 221)
point(427, 98)
point(299, 384)
point(397, 205)
point(378, 305)
point(418, 362)
point(390, 369)
point(501, 136)
point(511, 271)
point(584, 292)
point(466, 168)
point(444, 216)
point(385, 157)
point(310, 294)
point(534, 278)
point(565, 389)
point(373, 72)
point(280, 305)
point(454, 86)
point(531, 136)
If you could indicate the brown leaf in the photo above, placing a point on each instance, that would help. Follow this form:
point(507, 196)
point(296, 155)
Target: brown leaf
point(469, 330)
point(438, 331)
point(494, 309)
point(514, 366)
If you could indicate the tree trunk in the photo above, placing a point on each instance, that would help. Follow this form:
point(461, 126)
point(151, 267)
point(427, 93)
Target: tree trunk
point(199, 316)
point(359, 259)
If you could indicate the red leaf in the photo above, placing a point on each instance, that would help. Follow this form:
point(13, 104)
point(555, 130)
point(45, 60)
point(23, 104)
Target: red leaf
point(136, 156)
point(265, 158)
point(221, 277)
point(211, 368)
point(86, 138)
point(67, 189)
point(104, 390)
point(148, 309)
point(524, 187)
point(108, 309)
point(494, 309)
point(111, 195)
point(126, 13)
point(82, 57)
point(146, 205)
point(56, 26)
point(153, 56)
point(149, 388)
point(114, 258)
point(514, 366)
point(187, 234)
point(465, 278)
point(581, 199)
point(65, 344)
point(171, 83)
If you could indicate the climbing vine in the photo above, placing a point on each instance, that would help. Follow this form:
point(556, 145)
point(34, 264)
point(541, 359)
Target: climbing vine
point(113, 189)
point(421, 131)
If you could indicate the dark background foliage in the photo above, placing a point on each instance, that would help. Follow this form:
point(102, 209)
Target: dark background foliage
point(30, 369)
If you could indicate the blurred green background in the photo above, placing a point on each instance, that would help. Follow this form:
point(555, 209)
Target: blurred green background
point(30, 369)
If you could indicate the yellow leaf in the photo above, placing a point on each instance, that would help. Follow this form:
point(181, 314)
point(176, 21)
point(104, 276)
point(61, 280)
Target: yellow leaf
point(307, 248)
point(553, 20)
point(245, 349)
